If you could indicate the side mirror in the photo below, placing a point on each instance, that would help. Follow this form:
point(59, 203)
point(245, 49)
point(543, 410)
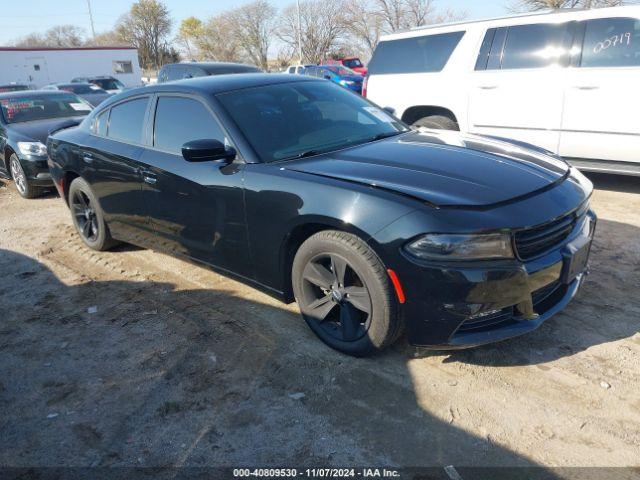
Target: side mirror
point(207, 151)
point(390, 110)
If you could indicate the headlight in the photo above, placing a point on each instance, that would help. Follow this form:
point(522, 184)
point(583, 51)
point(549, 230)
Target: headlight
point(32, 148)
point(461, 247)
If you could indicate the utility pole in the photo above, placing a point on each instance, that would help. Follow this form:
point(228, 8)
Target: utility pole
point(93, 28)
point(299, 32)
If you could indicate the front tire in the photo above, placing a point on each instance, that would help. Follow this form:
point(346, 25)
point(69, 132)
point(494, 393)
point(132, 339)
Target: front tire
point(437, 122)
point(88, 217)
point(24, 188)
point(344, 293)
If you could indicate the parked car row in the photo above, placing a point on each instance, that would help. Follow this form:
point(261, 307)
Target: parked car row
point(310, 192)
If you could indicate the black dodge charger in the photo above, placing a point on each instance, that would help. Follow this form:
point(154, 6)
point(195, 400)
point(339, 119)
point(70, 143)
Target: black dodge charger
point(312, 193)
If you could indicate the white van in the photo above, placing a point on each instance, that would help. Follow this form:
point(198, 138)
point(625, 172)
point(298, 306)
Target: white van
point(568, 82)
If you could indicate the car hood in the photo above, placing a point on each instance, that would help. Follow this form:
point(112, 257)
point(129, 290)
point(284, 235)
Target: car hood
point(445, 169)
point(38, 130)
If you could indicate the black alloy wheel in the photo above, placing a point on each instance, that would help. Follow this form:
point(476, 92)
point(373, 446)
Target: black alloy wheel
point(344, 293)
point(85, 215)
point(335, 296)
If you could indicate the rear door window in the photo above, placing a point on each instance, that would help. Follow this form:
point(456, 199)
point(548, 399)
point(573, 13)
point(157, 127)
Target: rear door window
point(127, 121)
point(180, 120)
point(414, 55)
point(537, 45)
point(485, 49)
point(611, 42)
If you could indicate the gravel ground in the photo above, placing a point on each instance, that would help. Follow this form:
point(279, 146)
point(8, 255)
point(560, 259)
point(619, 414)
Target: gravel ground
point(132, 357)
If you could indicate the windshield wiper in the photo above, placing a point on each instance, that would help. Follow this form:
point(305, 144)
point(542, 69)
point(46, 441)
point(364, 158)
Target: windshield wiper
point(384, 135)
point(308, 153)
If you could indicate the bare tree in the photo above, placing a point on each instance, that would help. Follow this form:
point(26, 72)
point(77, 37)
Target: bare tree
point(363, 25)
point(322, 26)
point(58, 36)
point(110, 38)
point(217, 40)
point(147, 27)
point(253, 25)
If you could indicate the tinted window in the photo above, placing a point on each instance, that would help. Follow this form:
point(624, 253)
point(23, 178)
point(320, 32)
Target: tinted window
point(485, 49)
point(108, 83)
point(127, 121)
point(414, 55)
point(611, 42)
point(495, 57)
point(174, 72)
point(180, 120)
point(311, 71)
point(289, 120)
point(537, 46)
point(100, 125)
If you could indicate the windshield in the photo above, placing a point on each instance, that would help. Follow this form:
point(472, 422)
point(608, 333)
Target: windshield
point(12, 88)
point(108, 83)
point(305, 118)
point(352, 63)
point(342, 71)
point(81, 89)
point(29, 108)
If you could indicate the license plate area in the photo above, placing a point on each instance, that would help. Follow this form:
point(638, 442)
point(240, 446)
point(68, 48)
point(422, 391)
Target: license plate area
point(576, 257)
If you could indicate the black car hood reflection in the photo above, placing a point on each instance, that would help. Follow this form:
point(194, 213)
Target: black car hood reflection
point(442, 168)
point(39, 130)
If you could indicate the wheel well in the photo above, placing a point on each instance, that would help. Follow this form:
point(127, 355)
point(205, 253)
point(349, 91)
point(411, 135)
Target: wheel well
point(8, 151)
point(69, 176)
point(296, 238)
point(412, 114)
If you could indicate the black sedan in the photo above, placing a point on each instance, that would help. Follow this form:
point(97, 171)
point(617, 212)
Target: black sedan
point(312, 193)
point(87, 91)
point(26, 119)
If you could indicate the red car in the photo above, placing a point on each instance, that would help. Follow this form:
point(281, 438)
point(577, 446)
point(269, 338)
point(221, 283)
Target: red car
point(353, 63)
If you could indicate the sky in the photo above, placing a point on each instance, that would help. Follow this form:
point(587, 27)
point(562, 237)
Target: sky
point(25, 16)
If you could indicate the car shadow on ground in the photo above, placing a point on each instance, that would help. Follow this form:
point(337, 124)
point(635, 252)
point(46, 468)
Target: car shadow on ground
point(118, 373)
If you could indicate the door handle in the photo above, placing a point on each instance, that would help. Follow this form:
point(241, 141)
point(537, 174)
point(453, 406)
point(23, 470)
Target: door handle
point(488, 87)
point(148, 177)
point(586, 87)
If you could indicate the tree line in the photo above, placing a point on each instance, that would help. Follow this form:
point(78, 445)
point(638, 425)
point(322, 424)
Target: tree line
point(260, 34)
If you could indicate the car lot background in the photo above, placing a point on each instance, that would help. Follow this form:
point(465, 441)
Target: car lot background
point(131, 357)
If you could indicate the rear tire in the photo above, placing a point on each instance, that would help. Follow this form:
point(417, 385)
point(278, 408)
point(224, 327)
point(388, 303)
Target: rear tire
point(24, 188)
point(88, 217)
point(437, 122)
point(344, 293)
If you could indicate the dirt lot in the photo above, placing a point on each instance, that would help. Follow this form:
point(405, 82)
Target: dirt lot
point(180, 366)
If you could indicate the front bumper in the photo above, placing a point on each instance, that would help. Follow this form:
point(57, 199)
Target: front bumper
point(456, 307)
point(36, 170)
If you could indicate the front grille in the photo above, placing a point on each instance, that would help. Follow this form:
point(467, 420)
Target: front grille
point(534, 241)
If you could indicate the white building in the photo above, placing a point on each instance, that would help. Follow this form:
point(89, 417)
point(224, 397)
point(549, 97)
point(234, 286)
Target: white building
point(40, 66)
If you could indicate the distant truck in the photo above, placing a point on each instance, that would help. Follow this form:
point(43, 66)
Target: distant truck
point(37, 67)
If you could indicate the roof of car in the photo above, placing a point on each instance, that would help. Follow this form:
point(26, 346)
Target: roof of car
point(217, 84)
point(212, 67)
point(32, 93)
